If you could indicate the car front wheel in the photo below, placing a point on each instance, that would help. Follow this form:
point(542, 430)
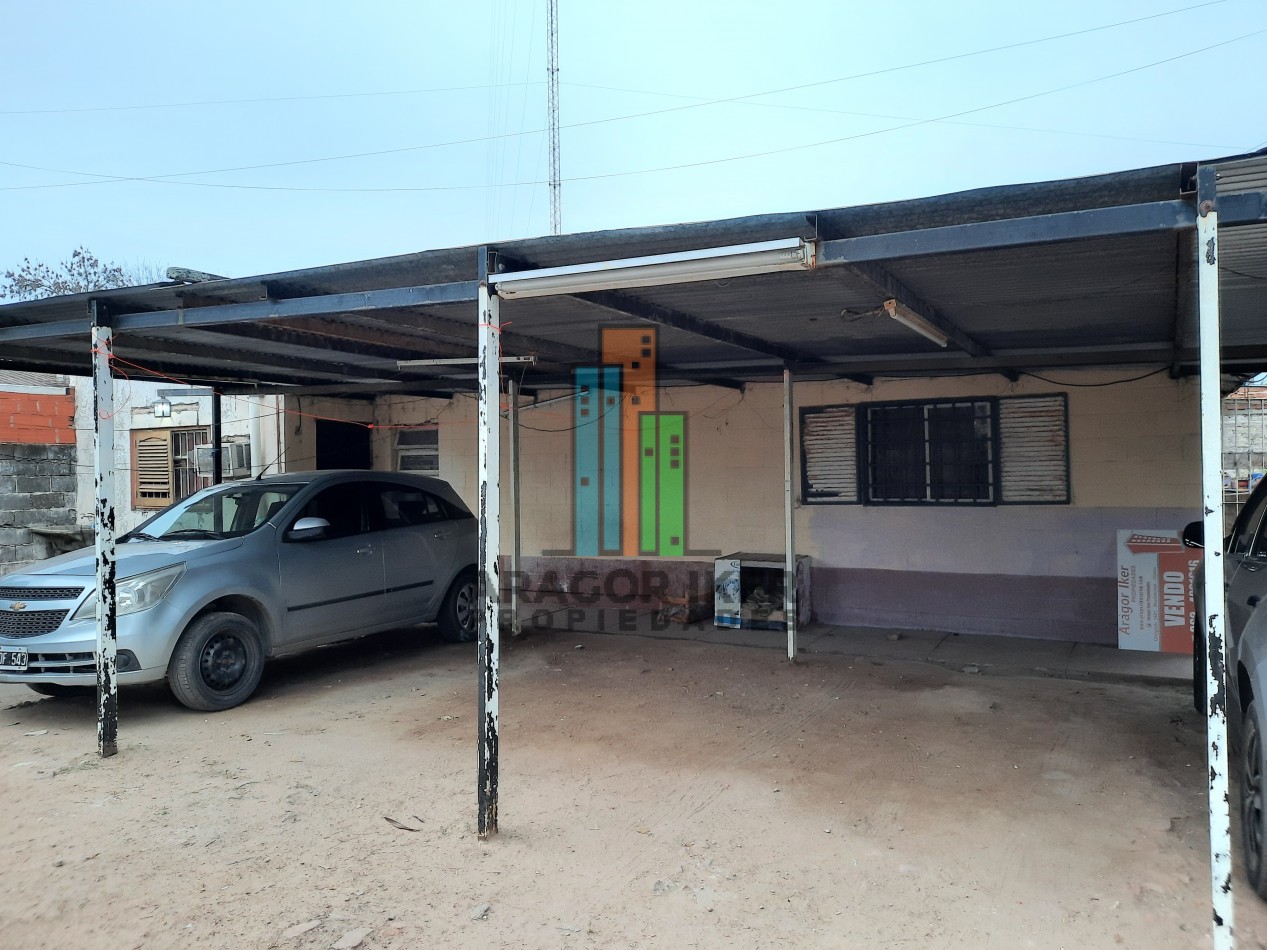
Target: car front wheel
point(459, 616)
point(1253, 831)
point(217, 662)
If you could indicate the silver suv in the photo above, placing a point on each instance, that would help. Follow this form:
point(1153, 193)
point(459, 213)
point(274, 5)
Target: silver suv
point(1245, 577)
point(212, 586)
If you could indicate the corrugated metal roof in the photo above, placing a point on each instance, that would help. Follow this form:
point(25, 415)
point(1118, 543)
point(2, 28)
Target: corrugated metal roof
point(1241, 177)
point(1039, 297)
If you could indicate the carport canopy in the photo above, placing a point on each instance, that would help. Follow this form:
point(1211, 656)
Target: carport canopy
point(1135, 268)
point(1085, 272)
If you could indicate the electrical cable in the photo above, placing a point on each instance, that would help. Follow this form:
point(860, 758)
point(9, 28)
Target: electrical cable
point(167, 178)
point(1112, 382)
point(403, 92)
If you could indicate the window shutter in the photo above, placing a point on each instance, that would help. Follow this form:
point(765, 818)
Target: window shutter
point(1034, 433)
point(151, 469)
point(829, 455)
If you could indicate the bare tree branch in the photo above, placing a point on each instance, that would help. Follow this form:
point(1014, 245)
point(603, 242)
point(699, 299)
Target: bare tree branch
point(81, 273)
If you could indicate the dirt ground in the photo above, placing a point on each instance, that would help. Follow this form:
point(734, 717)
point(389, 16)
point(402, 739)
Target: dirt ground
point(653, 794)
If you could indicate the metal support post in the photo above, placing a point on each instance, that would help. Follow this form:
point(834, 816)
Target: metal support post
point(516, 553)
point(789, 526)
point(255, 431)
point(1214, 592)
point(217, 436)
point(489, 541)
point(103, 478)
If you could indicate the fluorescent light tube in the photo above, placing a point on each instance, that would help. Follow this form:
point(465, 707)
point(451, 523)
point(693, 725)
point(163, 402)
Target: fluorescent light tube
point(714, 263)
point(909, 318)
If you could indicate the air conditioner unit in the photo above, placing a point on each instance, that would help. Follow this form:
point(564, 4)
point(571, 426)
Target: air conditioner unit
point(200, 457)
point(235, 460)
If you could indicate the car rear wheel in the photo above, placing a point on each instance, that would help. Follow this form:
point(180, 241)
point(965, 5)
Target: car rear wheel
point(1253, 831)
point(61, 691)
point(459, 616)
point(217, 662)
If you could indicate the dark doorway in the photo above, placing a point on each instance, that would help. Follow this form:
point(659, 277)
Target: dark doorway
point(343, 445)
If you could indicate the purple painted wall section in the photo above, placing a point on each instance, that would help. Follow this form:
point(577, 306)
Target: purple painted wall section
point(1034, 541)
point(1024, 572)
point(1053, 608)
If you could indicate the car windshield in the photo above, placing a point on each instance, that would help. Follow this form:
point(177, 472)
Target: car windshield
point(229, 511)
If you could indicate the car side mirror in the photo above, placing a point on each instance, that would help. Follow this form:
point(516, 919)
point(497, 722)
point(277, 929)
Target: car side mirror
point(308, 529)
point(1193, 534)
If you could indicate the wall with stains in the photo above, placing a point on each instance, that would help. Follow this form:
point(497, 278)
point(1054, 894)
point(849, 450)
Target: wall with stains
point(299, 427)
point(134, 409)
point(1018, 570)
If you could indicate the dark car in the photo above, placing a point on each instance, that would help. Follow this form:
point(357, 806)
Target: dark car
point(1245, 577)
point(217, 583)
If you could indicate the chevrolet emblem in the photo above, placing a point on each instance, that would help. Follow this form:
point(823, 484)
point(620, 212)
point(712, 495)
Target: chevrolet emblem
point(17, 606)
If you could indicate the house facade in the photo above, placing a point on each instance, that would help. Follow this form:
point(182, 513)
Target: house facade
point(1023, 545)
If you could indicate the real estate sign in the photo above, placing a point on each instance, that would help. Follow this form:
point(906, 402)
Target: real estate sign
point(1156, 578)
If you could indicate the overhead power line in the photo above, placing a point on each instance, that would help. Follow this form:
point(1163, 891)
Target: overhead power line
point(466, 88)
point(168, 180)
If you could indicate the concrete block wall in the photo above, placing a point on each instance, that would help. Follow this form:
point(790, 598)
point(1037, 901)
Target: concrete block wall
point(37, 489)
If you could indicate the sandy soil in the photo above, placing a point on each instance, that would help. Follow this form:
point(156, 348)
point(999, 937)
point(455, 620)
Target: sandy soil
point(653, 794)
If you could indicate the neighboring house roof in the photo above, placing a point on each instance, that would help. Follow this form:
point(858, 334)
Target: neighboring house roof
point(18, 378)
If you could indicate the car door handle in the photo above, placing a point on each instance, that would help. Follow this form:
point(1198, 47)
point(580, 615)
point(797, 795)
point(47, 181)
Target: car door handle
point(441, 535)
point(368, 549)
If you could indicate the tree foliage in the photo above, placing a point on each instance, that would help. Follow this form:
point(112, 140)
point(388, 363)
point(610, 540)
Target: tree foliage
point(82, 272)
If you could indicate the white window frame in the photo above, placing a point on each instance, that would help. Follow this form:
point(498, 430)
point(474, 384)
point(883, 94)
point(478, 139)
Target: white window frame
point(418, 450)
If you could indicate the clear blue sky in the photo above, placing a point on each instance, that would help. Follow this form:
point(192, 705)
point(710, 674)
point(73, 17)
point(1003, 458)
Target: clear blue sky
point(137, 90)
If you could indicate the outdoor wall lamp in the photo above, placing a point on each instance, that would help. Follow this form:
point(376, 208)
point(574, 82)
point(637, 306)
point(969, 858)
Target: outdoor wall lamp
point(713, 263)
point(162, 409)
point(909, 318)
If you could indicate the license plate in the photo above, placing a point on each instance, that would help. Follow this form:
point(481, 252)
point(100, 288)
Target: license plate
point(13, 659)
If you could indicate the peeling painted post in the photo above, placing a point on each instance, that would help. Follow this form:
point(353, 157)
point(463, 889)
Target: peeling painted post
point(103, 477)
point(490, 542)
point(1214, 592)
point(789, 526)
point(516, 552)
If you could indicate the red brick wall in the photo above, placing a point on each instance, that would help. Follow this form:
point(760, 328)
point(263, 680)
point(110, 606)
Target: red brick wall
point(46, 418)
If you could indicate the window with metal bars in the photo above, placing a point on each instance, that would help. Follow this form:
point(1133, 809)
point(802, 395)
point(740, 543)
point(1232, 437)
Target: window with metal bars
point(921, 453)
point(976, 451)
point(163, 469)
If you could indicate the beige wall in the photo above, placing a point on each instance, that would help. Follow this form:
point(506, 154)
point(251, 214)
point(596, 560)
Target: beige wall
point(300, 435)
point(1022, 570)
point(545, 460)
point(1134, 460)
point(1138, 444)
